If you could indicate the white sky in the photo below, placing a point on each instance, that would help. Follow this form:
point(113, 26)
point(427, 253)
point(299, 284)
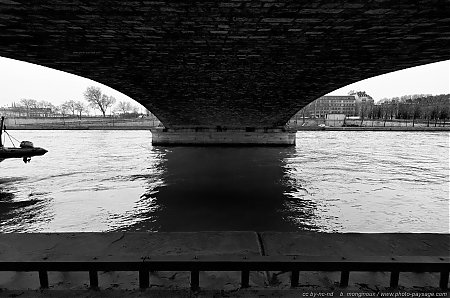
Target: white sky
point(24, 80)
point(431, 78)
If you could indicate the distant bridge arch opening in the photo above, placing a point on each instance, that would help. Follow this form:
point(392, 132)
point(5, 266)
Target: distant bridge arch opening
point(52, 89)
point(418, 81)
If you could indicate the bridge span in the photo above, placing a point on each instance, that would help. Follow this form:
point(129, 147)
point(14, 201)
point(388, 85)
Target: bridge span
point(230, 71)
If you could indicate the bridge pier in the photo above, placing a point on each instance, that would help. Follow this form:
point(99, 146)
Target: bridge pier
point(223, 137)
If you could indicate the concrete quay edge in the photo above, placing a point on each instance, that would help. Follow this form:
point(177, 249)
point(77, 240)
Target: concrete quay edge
point(131, 246)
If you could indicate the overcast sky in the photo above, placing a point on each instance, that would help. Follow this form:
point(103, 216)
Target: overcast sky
point(25, 80)
point(431, 78)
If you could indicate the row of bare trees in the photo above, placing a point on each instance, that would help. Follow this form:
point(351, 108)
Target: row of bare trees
point(94, 97)
point(74, 107)
point(102, 102)
point(47, 108)
point(30, 104)
point(426, 108)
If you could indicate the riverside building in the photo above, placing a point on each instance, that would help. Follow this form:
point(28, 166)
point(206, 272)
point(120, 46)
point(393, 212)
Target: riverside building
point(331, 105)
point(363, 102)
point(328, 105)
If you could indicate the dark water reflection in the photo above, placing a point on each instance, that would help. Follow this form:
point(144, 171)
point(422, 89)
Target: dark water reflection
point(15, 211)
point(212, 188)
point(329, 182)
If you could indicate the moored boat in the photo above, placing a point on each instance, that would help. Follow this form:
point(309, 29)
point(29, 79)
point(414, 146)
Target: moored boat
point(26, 150)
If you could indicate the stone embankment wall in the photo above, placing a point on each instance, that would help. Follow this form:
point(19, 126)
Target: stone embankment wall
point(370, 124)
point(147, 123)
point(396, 123)
point(83, 123)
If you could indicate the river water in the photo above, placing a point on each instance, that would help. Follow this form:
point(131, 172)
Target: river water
point(330, 182)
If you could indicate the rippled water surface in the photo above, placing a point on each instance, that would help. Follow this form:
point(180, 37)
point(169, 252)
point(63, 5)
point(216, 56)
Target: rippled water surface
point(330, 181)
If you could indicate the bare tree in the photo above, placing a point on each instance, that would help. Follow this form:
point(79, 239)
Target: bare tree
point(435, 114)
point(62, 108)
point(69, 106)
point(28, 104)
point(80, 108)
point(124, 107)
point(108, 101)
point(98, 100)
point(416, 113)
point(135, 109)
point(444, 113)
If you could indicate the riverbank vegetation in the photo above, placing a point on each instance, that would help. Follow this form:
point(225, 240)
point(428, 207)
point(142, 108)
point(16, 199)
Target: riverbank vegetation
point(95, 100)
point(429, 110)
point(432, 109)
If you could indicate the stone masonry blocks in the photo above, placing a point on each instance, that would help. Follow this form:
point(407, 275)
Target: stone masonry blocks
point(226, 63)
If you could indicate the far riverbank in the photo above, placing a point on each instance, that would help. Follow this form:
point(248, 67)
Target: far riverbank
point(91, 123)
point(375, 128)
point(146, 123)
point(305, 128)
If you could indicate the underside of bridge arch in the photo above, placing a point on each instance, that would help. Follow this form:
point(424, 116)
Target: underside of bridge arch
point(226, 65)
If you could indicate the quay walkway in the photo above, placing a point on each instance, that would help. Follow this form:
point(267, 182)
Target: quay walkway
point(241, 263)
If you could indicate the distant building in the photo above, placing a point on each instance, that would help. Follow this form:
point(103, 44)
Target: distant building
point(335, 119)
point(330, 105)
point(17, 112)
point(40, 112)
point(363, 102)
point(13, 112)
point(323, 106)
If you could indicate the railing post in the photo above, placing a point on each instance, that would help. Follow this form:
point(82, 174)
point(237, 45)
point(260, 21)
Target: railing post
point(245, 277)
point(43, 279)
point(195, 280)
point(294, 278)
point(443, 281)
point(394, 279)
point(144, 278)
point(93, 279)
point(344, 278)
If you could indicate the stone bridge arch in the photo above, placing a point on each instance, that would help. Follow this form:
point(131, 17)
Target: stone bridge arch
point(235, 65)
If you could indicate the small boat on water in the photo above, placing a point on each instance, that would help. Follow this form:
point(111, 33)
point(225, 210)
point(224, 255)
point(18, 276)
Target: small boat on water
point(26, 150)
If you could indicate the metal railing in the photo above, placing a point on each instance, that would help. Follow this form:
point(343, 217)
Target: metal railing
point(294, 264)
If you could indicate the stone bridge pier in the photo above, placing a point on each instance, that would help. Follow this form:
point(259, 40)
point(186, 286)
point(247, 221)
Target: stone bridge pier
point(229, 71)
point(234, 137)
